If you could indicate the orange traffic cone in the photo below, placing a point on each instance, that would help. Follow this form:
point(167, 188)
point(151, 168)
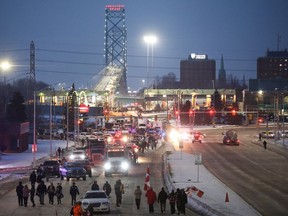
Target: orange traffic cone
point(227, 197)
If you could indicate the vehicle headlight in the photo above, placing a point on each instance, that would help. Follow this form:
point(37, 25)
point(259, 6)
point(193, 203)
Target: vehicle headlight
point(105, 203)
point(109, 139)
point(124, 165)
point(125, 139)
point(174, 135)
point(72, 157)
point(82, 156)
point(107, 166)
point(136, 150)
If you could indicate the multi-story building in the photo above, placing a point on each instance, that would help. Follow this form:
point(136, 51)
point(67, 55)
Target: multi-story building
point(198, 72)
point(274, 65)
point(272, 72)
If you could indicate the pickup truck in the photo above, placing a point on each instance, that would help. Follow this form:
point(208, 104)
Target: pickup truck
point(72, 170)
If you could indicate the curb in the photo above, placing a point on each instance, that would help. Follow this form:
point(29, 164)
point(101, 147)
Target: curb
point(196, 206)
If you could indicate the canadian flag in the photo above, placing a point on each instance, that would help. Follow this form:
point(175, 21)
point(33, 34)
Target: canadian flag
point(147, 179)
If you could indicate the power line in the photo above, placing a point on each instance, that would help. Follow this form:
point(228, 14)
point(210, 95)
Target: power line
point(129, 66)
point(136, 56)
point(15, 50)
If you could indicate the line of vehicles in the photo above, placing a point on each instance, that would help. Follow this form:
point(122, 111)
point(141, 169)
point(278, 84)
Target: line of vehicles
point(115, 149)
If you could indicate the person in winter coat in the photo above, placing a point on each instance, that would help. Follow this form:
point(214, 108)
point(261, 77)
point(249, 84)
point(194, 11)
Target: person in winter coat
point(40, 174)
point(151, 198)
point(32, 195)
point(19, 192)
point(26, 192)
point(107, 188)
point(73, 192)
point(172, 201)
point(77, 209)
point(162, 197)
point(51, 193)
point(41, 191)
point(138, 194)
point(33, 178)
point(118, 192)
point(59, 193)
point(183, 201)
point(178, 200)
point(95, 186)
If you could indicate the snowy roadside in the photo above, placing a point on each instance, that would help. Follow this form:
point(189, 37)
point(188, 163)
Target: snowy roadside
point(217, 198)
point(24, 160)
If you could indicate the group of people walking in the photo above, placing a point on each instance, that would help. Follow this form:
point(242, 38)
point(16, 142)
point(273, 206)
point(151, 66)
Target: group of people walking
point(176, 199)
point(23, 192)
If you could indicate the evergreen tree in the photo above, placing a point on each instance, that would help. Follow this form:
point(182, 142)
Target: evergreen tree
point(216, 101)
point(184, 116)
point(16, 110)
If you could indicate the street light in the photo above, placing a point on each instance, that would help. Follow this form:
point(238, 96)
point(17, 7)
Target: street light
point(5, 65)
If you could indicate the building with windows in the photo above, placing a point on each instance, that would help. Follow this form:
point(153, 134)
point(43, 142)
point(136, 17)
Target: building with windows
point(198, 72)
point(272, 72)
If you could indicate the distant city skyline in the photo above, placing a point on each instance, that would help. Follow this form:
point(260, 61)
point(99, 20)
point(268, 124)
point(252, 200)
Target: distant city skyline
point(69, 36)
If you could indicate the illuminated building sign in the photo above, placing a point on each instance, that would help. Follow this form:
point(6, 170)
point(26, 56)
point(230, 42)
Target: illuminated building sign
point(83, 108)
point(197, 56)
point(115, 7)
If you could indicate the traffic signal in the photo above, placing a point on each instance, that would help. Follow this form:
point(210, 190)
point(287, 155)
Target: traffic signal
point(105, 112)
point(260, 120)
point(190, 113)
point(176, 112)
point(212, 112)
point(233, 112)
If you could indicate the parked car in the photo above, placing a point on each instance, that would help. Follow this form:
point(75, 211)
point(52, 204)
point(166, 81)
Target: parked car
point(98, 200)
point(72, 170)
point(267, 134)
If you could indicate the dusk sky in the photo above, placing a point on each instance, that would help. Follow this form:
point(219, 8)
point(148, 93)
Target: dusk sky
point(69, 36)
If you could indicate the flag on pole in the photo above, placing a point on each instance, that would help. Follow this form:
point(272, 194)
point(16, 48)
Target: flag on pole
point(147, 179)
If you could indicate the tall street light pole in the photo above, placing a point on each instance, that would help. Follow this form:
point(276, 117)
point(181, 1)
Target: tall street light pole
point(4, 66)
point(149, 40)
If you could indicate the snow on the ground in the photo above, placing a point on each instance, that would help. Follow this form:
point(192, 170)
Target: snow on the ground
point(214, 190)
point(184, 174)
point(26, 158)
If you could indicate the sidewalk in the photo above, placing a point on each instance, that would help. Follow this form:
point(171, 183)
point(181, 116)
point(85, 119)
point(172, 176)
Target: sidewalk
point(206, 194)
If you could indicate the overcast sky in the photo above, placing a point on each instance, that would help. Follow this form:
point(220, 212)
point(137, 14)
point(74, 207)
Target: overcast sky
point(69, 35)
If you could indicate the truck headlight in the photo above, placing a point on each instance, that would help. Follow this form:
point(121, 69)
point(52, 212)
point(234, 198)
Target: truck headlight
point(72, 157)
point(125, 139)
point(107, 166)
point(124, 165)
point(82, 156)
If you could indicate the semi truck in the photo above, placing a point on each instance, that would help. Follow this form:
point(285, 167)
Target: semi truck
point(231, 137)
